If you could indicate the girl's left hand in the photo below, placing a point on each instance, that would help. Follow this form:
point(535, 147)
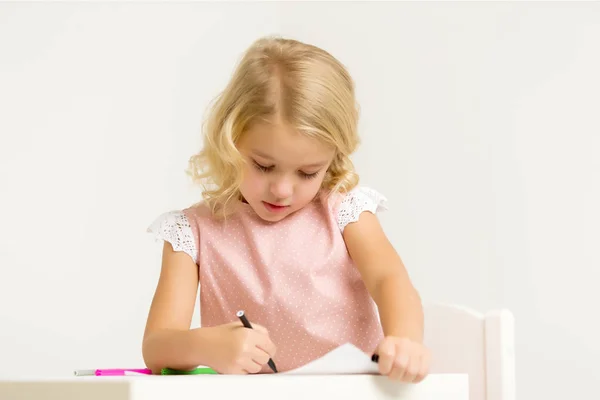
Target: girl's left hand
point(403, 360)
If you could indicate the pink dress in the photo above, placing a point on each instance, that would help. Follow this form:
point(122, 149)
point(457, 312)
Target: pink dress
point(295, 276)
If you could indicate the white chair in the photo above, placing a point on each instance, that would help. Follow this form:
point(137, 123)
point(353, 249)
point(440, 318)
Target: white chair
point(480, 345)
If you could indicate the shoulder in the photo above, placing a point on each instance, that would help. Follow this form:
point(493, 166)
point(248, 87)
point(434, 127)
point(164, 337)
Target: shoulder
point(348, 207)
point(180, 228)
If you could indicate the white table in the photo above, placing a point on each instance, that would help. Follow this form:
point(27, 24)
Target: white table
point(259, 387)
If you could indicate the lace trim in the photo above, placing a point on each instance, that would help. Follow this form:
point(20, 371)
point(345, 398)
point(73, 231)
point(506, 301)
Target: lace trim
point(357, 201)
point(174, 227)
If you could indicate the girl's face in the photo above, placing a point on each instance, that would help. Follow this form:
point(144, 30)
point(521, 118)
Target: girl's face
point(284, 169)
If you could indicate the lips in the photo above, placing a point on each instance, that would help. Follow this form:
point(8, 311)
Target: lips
point(275, 207)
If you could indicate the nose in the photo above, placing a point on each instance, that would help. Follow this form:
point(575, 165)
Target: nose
point(282, 188)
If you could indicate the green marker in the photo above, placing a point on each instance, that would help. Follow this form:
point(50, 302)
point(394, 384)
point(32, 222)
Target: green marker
point(195, 371)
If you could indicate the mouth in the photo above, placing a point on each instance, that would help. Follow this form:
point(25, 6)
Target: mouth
point(275, 207)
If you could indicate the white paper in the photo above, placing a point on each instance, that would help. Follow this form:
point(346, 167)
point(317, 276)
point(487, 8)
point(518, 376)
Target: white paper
point(344, 360)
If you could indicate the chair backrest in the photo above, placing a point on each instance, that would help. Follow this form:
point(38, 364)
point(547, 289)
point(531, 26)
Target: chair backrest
point(480, 345)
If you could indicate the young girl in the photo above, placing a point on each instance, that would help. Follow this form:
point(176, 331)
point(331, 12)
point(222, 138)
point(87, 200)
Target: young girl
point(284, 233)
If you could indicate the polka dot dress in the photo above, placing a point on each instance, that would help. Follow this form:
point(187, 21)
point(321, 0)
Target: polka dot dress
point(295, 277)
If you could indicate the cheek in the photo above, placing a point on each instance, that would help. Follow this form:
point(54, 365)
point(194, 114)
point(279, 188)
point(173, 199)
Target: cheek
point(253, 181)
point(311, 188)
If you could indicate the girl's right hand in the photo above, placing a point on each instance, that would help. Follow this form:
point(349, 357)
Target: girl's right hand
point(240, 350)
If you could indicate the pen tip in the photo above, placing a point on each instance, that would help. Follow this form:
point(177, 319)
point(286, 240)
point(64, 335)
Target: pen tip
point(240, 313)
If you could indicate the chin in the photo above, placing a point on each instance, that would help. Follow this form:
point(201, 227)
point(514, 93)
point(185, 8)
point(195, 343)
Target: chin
point(272, 218)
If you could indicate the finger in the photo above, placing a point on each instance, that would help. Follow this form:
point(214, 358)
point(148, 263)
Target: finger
point(412, 370)
point(250, 366)
point(387, 352)
point(260, 356)
point(238, 370)
point(424, 368)
point(400, 365)
point(265, 343)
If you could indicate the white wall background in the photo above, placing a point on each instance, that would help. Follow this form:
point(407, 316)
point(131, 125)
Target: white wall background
point(480, 123)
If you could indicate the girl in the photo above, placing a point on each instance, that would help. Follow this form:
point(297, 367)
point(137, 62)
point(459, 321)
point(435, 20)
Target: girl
point(284, 233)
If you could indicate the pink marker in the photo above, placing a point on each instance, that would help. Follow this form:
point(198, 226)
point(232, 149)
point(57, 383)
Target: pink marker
point(113, 372)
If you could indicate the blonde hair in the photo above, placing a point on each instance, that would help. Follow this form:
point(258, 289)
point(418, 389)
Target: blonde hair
point(299, 83)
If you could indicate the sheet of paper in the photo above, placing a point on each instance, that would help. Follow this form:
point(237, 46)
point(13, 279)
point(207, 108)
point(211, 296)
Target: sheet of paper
point(346, 359)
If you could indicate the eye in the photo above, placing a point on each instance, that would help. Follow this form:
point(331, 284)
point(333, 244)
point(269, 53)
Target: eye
point(304, 175)
point(261, 167)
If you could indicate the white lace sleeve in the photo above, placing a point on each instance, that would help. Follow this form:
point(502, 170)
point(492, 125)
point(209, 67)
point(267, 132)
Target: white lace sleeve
point(358, 200)
point(174, 227)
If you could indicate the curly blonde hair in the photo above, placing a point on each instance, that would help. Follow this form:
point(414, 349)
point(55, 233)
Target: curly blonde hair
point(299, 83)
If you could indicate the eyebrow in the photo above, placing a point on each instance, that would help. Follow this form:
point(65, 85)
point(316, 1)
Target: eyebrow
point(268, 157)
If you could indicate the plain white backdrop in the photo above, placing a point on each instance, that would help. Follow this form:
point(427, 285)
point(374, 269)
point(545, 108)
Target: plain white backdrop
point(480, 123)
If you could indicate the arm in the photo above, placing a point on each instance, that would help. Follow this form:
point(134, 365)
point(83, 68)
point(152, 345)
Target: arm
point(168, 340)
point(385, 277)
